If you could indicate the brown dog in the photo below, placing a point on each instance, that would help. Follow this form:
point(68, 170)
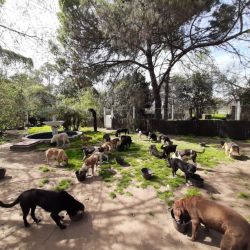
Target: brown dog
point(223, 219)
point(92, 162)
point(114, 143)
point(56, 154)
point(231, 148)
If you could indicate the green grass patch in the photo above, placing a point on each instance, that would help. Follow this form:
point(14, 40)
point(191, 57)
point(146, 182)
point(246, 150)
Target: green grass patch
point(106, 174)
point(138, 157)
point(44, 169)
point(166, 196)
point(43, 182)
point(45, 128)
point(243, 195)
point(219, 116)
point(192, 192)
point(112, 195)
point(63, 185)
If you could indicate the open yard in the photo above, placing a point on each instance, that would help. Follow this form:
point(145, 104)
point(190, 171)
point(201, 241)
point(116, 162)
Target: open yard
point(123, 210)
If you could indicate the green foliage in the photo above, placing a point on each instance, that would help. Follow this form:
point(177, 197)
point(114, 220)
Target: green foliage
point(63, 185)
point(109, 38)
point(192, 192)
point(196, 91)
point(43, 182)
point(243, 195)
point(44, 169)
point(112, 195)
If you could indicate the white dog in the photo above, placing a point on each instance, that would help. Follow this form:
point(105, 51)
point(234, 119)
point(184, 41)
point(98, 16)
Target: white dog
point(60, 137)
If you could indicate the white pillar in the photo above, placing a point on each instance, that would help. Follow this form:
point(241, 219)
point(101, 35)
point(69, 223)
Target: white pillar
point(172, 110)
point(104, 117)
point(133, 112)
point(238, 110)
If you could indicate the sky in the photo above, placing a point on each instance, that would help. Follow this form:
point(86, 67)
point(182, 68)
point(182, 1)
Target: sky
point(34, 17)
point(39, 18)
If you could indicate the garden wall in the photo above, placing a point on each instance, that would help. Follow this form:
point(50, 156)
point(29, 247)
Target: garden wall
point(233, 129)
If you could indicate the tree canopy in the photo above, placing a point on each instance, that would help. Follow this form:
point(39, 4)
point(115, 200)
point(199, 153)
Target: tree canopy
point(103, 37)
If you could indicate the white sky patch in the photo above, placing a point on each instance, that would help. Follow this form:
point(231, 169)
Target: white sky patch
point(35, 18)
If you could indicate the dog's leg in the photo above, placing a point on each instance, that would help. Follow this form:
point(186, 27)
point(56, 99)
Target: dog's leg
point(33, 216)
point(227, 242)
point(26, 211)
point(195, 226)
point(57, 220)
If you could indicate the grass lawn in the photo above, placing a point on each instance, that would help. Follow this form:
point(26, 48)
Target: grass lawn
point(138, 157)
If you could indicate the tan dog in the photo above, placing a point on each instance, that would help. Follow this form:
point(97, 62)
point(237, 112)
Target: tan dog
point(92, 162)
point(62, 137)
point(56, 154)
point(213, 215)
point(231, 148)
point(107, 146)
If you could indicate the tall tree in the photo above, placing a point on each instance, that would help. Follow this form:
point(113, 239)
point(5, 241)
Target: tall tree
point(194, 92)
point(100, 36)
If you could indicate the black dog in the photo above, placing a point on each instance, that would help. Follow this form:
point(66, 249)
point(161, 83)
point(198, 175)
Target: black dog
point(166, 140)
point(190, 153)
point(121, 130)
point(125, 142)
point(167, 149)
point(152, 137)
point(187, 168)
point(142, 132)
point(106, 137)
point(51, 201)
point(154, 151)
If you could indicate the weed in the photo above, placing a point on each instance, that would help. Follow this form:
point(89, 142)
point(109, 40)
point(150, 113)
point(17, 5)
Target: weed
point(63, 185)
point(43, 182)
point(112, 195)
point(192, 192)
point(44, 169)
point(243, 195)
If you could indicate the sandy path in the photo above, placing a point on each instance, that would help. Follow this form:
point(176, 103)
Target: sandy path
point(138, 222)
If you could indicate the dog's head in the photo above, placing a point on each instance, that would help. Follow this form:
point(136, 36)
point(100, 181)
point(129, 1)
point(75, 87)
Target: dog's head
point(191, 168)
point(179, 209)
point(73, 206)
point(222, 143)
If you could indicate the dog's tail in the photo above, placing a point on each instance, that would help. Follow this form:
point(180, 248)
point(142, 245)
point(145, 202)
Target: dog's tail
point(11, 204)
point(201, 152)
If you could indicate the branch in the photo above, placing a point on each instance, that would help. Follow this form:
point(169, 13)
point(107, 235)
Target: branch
point(19, 32)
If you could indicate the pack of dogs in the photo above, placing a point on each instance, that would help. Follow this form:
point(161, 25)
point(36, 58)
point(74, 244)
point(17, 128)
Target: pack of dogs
point(198, 209)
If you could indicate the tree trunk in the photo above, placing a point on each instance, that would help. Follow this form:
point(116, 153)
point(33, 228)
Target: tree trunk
point(156, 89)
point(166, 90)
point(190, 113)
point(94, 119)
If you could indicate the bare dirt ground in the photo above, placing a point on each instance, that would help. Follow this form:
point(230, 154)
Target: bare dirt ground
point(138, 222)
